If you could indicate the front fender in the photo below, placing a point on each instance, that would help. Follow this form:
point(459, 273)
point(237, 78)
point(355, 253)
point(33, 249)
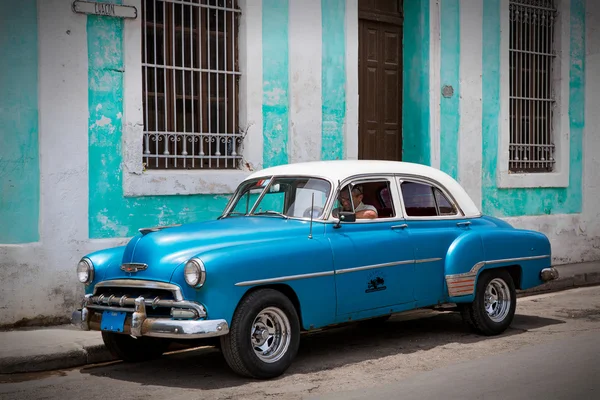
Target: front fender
point(232, 271)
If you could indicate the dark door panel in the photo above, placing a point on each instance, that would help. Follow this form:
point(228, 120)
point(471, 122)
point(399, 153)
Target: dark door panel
point(380, 80)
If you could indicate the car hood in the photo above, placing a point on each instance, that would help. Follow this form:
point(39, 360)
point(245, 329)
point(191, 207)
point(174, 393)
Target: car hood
point(163, 249)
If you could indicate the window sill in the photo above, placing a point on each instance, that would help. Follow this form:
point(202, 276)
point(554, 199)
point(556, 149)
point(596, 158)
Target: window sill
point(533, 180)
point(165, 183)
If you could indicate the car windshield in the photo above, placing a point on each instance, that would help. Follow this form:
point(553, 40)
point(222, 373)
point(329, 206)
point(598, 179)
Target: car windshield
point(280, 196)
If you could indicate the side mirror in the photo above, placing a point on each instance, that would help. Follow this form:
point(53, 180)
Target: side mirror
point(347, 216)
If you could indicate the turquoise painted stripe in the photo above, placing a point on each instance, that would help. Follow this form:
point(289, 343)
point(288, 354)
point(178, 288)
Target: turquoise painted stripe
point(110, 213)
point(416, 141)
point(275, 107)
point(333, 80)
point(450, 76)
point(531, 201)
point(19, 142)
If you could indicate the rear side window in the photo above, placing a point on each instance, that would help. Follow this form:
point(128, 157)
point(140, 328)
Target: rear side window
point(423, 200)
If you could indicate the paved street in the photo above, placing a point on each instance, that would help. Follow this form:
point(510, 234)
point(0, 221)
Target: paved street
point(551, 352)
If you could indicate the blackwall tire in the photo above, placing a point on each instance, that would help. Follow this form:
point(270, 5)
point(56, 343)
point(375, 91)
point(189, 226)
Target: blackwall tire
point(264, 336)
point(493, 308)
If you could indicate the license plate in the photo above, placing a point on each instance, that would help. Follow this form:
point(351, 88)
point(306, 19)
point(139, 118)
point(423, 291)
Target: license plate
point(113, 321)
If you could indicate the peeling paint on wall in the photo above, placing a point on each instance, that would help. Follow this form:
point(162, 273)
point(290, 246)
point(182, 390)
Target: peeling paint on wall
point(19, 154)
point(416, 143)
point(333, 84)
point(110, 213)
point(275, 22)
point(535, 201)
point(450, 78)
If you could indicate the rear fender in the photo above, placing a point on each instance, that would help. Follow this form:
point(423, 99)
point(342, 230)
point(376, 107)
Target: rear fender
point(463, 261)
point(526, 252)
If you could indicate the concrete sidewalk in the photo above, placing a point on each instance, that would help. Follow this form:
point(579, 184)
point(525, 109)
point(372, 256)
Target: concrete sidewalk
point(65, 346)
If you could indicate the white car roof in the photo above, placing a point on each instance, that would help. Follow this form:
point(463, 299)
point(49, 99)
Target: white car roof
point(338, 170)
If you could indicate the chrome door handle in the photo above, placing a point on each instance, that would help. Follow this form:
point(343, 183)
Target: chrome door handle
point(466, 223)
point(400, 226)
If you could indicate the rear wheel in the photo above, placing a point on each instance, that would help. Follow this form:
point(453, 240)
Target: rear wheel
point(264, 336)
point(493, 308)
point(129, 349)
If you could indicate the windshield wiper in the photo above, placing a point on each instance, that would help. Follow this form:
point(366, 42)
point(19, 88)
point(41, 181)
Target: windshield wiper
point(270, 212)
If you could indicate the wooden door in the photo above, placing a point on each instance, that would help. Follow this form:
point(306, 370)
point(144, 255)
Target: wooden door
point(380, 80)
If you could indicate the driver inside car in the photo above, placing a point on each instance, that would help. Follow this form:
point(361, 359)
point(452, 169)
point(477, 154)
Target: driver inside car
point(362, 211)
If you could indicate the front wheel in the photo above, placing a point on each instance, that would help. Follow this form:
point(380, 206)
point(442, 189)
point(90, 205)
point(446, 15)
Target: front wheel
point(264, 336)
point(493, 308)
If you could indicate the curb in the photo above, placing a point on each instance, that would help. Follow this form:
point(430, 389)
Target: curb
point(564, 283)
point(92, 354)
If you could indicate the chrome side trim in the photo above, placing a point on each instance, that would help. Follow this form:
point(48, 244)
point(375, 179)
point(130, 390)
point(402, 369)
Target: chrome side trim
point(517, 259)
point(284, 278)
point(464, 284)
point(427, 260)
point(138, 283)
point(365, 267)
point(337, 272)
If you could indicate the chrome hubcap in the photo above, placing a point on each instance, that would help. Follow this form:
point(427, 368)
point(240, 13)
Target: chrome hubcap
point(497, 300)
point(270, 334)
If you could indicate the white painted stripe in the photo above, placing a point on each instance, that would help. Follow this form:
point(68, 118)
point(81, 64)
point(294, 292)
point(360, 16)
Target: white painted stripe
point(351, 125)
point(305, 45)
point(470, 108)
point(434, 81)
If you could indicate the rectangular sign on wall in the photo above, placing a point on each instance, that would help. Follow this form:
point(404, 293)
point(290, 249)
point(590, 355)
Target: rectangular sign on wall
point(106, 9)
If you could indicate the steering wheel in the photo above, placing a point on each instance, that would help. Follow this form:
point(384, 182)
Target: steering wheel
point(316, 209)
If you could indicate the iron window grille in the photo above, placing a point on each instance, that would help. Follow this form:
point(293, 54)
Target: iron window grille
point(532, 55)
point(190, 84)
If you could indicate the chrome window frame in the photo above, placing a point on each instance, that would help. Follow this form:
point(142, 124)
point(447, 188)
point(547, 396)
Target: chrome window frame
point(332, 188)
point(428, 181)
point(364, 178)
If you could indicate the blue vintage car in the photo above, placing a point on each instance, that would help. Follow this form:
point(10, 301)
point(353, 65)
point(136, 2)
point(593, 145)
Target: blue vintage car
point(306, 246)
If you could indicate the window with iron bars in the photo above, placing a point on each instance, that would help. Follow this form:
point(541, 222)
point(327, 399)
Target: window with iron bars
point(190, 83)
point(532, 55)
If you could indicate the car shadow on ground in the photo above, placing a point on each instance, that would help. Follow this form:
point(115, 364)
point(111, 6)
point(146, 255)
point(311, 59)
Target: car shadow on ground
point(205, 368)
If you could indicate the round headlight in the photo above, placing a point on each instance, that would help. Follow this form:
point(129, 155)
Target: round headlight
point(85, 271)
point(194, 272)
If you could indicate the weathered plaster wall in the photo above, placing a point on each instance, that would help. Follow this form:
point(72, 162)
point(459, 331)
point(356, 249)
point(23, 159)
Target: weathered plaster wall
point(333, 79)
point(415, 111)
point(450, 86)
point(305, 80)
point(111, 214)
point(37, 280)
point(19, 160)
point(567, 215)
point(511, 202)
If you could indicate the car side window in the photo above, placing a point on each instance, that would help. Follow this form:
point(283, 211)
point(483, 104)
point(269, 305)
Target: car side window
point(371, 195)
point(423, 200)
point(445, 207)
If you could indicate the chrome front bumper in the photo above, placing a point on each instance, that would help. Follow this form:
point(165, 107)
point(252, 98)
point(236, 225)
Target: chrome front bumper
point(88, 318)
point(549, 274)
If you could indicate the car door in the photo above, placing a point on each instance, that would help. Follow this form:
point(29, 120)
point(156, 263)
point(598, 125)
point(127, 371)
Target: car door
point(373, 259)
point(433, 222)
